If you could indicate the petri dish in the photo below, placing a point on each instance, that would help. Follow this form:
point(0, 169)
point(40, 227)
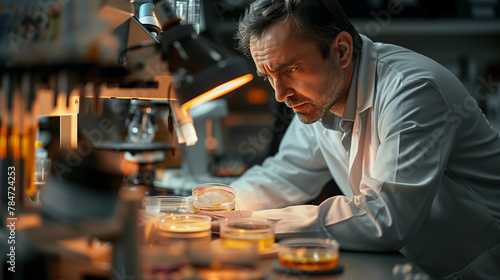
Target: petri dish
point(168, 204)
point(190, 229)
point(213, 197)
point(309, 254)
point(247, 232)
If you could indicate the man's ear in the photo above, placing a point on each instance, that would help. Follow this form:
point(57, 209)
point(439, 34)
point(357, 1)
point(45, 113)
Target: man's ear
point(343, 43)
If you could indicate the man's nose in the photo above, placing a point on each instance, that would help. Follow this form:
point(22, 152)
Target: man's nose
point(282, 89)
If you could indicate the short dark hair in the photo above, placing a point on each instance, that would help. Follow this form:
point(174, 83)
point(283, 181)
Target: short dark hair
point(318, 21)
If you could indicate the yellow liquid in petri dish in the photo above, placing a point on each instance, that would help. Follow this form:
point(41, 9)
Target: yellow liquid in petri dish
point(261, 241)
point(192, 231)
point(197, 209)
point(185, 226)
point(313, 262)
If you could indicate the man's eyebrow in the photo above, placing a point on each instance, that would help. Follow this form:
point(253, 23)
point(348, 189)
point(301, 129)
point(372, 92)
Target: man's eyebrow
point(277, 68)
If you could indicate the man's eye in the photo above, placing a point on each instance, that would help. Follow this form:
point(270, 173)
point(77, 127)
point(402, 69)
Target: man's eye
point(291, 70)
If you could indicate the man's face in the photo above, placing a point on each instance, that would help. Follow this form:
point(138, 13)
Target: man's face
point(301, 78)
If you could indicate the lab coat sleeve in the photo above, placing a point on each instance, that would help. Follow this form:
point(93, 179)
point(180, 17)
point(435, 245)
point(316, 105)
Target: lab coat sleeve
point(390, 203)
point(296, 174)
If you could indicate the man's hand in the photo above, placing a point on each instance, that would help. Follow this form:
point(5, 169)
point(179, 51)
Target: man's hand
point(217, 215)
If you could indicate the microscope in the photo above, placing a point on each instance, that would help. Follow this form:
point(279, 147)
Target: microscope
point(68, 52)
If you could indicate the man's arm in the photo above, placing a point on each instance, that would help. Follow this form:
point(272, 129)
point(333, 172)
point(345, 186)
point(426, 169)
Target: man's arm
point(295, 175)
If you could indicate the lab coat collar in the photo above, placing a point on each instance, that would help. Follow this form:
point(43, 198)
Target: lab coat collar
point(345, 123)
point(366, 62)
point(366, 74)
point(349, 115)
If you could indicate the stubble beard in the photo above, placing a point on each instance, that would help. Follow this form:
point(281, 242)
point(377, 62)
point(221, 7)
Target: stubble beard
point(331, 93)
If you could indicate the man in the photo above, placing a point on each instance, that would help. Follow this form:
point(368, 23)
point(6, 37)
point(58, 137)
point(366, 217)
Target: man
point(417, 161)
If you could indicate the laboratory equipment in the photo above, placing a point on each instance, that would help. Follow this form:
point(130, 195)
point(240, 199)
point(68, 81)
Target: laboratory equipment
point(86, 58)
point(213, 197)
point(139, 147)
point(141, 122)
point(309, 254)
point(148, 18)
point(146, 155)
point(42, 170)
point(77, 50)
point(197, 158)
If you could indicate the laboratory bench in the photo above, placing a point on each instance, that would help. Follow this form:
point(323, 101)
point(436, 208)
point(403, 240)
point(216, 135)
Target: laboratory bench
point(351, 266)
point(355, 265)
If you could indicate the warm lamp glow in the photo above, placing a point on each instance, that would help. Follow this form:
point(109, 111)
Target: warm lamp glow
point(15, 140)
point(3, 141)
point(217, 92)
point(257, 96)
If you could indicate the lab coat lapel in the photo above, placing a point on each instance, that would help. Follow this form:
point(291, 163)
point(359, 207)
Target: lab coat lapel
point(365, 93)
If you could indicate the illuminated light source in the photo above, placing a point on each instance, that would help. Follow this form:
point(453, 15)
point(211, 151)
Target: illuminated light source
point(218, 91)
point(202, 70)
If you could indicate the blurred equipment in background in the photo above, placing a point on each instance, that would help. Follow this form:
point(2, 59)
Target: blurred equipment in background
point(148, 19)
point(141, 122)
point(424, 9)
point(59, 54)
point(42, 169)
point(197, 159)
point(484, 9)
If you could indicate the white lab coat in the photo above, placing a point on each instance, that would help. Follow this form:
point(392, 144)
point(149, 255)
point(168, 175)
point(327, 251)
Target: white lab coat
point(423, 175)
